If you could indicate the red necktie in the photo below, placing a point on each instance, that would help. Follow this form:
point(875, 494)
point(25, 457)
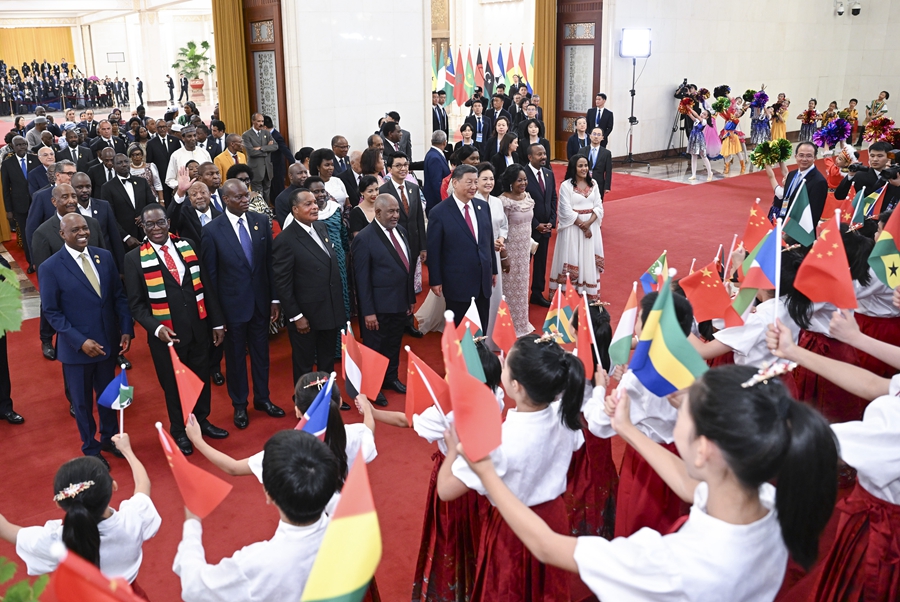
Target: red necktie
point(399, 249)
point(170, 263)
point(403, 198)
point(541, 181)
point(469, 220)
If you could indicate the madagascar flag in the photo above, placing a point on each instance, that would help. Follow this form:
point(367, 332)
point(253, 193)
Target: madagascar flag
point(351, 548)
point(664, 361)
point(885, 258)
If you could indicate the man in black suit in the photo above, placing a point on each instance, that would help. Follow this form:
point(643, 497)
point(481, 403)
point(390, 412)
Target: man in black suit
point(170, 84)
point(497, 110)
point(88, 126)
point(159, 151)
point(351, 176)
point(191, 317)
point(105, 139)
point(42, 201)
point(600, 116)
point(101, 211)
point(46, 240)
point(806, 172)
point(340, 147)
point(309, 286)
point(80, 155)
point(412, 215)
point(183, 88)
point(103, 172)
point(872, 179)
point(599, 161)
point(439, 121)
point(128, 196)
point(216, 144)
point(482, 126)
point(14, 174)
point(237, 251)
point(298, 174)
point(140, 90)
point(542, 188)
point(384, 271)
point(539, 112)
point(199, 214)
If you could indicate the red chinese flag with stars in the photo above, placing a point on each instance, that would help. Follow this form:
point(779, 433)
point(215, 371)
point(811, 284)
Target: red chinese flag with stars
point(758, 226)
point(707, 295)
point(77, 580)
point(423, 387)
point(189, 385)
point(572, 296)
point(200, 490)
point(504, 334)
point(584, 341)
point(824, 276)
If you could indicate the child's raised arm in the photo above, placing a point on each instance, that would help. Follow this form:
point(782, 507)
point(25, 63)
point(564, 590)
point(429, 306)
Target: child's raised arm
point(8, 531)
point(138, 472)
point(225, 463)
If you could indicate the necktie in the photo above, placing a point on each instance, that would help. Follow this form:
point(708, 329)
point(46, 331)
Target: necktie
point(24, 167)
point(215, 200)
point(404, 199)
point(400, 249)
point(593, 158)
point(204, 219)
point(108, 174)
point(89, 272)
point(234, 156)
point(597, 119)
point(74, 155)
point(541, 181)
point(793, 186)
point(479, 125)
point(397, 147)
point(170, 263)
point(469, 220)
point(246, 243)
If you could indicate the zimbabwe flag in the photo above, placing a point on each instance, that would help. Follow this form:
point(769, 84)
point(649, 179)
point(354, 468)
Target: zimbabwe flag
point(885, 258)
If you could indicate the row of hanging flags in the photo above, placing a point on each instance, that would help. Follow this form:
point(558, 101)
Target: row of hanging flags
point(459, 81)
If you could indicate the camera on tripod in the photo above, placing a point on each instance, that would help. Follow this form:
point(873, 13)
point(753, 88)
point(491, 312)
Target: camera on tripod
point(888, 173)
point(682, 90)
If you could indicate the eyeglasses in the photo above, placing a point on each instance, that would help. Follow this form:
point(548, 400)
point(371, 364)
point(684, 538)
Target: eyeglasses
point(245, 180)
point(66, 173)
point(163, 223)
point(400, 165)
point(341, 146)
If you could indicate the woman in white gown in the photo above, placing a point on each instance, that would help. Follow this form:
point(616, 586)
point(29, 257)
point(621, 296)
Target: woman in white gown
point(579, 245)
point(501, 231)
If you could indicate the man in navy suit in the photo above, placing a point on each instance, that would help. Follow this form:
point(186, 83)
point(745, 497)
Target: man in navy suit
point(436, 169)
point(601, 117)
point(384, 284)
point(461, 261)
point(815, 183)
point(236, 249)
point(542, 188)
point(83, 299)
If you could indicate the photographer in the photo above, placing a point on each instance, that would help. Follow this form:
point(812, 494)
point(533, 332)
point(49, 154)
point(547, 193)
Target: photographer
point(686, 90)
point(872, 178)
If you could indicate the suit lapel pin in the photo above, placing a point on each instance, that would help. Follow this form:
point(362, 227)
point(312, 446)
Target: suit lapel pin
point(97, 259)
point(256, 227)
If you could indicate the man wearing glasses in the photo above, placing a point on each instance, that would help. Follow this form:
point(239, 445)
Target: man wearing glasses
point(806, 174)
point(340, 146)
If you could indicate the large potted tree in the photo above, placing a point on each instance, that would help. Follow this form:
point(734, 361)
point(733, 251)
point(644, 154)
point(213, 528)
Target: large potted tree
point(193, 62)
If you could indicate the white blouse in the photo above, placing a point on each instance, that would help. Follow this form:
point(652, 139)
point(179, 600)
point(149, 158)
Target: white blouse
point(430, 425)
point(335, 187)
point(876, 299)
point(652, 415)
point(749, 341)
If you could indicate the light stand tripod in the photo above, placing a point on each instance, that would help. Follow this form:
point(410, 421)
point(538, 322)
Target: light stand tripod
point(676, 128)
point(632, 121)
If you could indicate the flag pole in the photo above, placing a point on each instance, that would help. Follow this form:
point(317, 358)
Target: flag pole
point(558, 305)
point(778, 225)
point(728, 259)
point(587, 312)
point(434, 398)
point(693, 261)
point(719, 252)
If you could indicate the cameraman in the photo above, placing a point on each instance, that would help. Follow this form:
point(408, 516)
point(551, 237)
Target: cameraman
point(872, 178)
point(686, 90)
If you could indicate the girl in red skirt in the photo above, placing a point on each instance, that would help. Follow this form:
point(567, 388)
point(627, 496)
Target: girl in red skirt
point(539, 436)
point(736, 430)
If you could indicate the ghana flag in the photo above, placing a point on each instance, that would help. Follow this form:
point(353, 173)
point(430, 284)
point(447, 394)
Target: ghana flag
point(664, 361)
point(885, 258)
point(351, 549)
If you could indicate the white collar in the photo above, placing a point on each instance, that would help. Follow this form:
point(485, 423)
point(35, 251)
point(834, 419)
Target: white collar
point(383, 229)
point(207, 213)
point(234, 219)
point(534, 170)
point(75, 254)
point(309, 228)
point(459, 203)
point(158, 248)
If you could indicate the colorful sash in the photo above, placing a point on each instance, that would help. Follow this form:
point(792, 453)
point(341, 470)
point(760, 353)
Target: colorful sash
point(156, 288)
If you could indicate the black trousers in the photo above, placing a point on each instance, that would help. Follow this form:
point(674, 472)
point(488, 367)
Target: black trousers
point(140, 98)
point(215, 357)
point(316, 347)
point(183, 93)
point(244, 337)
point(386, 341)
point(459, 308)
point(21, 218)
point(539, 267)
point(195, 356)
point(6, 402)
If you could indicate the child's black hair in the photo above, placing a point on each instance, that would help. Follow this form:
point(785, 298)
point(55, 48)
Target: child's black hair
point(545, 370)
point(85, 510)
point(684, 313)
point(300, 474)
point(490, 363)
point(335, 435)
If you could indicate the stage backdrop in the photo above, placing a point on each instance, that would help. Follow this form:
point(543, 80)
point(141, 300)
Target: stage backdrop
point(24, 44)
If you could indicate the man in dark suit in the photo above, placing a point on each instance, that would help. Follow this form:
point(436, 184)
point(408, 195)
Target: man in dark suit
point(42, 206)
point(183, 88)
point(83, 299)
point(439, 121)
point(237, 253)
point(872, 179)
point(80, 155)
point(190, 320)
point(309, 286)
point(140, 90)
point(497, 110)
point(384, 271)
point(405, 141)
point(37, 176)
point(298, 174)
point(351, 176)
point(101, 211)
point(542, 188)
point(128, 196)
point(159, 151)
point(103, 172)
point(412, 217)
point(260, 147)
point(88, 126)
point(199, 214)
point(170, 84)
point(340, 147)
point(46, 241)
point(599, 161)
point(105, 139)
point(14, 174)
point(482, 126)
point(281, 159)
point(462, 264)
point(814, 182)
point(436, 169)
point(216, 144)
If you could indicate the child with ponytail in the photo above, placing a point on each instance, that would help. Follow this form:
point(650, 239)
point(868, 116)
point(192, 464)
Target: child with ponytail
point(109, 539)
point(539, 436)
point(736, 431)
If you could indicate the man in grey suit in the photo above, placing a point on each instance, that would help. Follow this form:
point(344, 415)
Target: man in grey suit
point(259, 146)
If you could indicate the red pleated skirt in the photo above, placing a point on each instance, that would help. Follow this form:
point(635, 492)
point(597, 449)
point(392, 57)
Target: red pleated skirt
point(864, 561)
point(591, 488)
point(832, 401)
point(139, 591)
point(508, 572)
point(644, 499)
point(726, 359)
point(445, 570)
point(883, 329)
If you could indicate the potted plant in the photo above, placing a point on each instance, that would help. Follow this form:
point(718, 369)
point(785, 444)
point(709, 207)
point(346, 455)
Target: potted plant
point(193, 62)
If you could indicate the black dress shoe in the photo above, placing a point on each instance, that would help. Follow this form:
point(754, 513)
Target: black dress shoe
point(48, 351)
point(30, 269)
point(212, 431)
point(102, 459)
point(269, 408)
point(71, 410)
point(123, 360)
point(414, 332)
point(184, 444)
point(345, 406)
point(539, 300)
point(241, 420)
point(218, 379)
point(396, 385)
point(13, 418)
point(380, 401)
point(110, 448)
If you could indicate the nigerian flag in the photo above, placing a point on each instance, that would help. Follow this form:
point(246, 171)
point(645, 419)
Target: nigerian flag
point(885, 258)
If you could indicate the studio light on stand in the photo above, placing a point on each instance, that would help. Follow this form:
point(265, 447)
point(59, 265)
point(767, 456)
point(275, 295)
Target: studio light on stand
point(634, 45)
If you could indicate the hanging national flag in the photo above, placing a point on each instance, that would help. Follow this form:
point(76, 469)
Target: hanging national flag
point(424, 388)
point(479, 71)
point(523, 69)
point(664, 361)
point(510, 71)
point(459, 89)
point(761, 272)
point(504, 334)
point(531, 76)
point(707, 295)
point(470, 355)
point(824, 276)
point(189, 385)
point(315, 418)
point(585, 340)
point(76, 580)
point(470, 75)
point(361, 366)
point(655, 274)
point(351, 548)
point(559, 319)
point(885, 258)
point(620, 346)
point(200, 490)
point(757, 227)
point(799, 224)
point(117, 395)
point(449, 77)
point(489, 75)
point(501, 70)
point(471, 321)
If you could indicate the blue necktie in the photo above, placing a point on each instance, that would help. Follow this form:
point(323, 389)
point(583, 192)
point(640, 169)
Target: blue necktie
point(246, 243)
point(793, 186)
point(24, 167)
point(215, 200)
point(593, 157)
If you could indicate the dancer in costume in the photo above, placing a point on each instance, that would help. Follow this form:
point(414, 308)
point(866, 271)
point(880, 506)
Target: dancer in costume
point(808, 119)
point(732, 137)
point(873, 111)
point(760, 131)
point(779, 116)
point(713, 142)
point(697, 143)
point(852, 116)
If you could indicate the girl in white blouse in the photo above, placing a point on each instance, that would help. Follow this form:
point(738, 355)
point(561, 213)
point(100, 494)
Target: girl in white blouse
point(733, 438)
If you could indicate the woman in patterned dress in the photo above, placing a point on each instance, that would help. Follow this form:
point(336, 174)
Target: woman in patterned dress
point(145, 170)
point(519, 208)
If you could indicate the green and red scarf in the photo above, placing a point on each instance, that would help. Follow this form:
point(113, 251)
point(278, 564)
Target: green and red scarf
point(152, 267)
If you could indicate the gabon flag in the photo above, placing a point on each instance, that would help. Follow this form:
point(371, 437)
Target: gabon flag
point(885, 257)
point(361, 366)
point(504, 334)
point(77, 580)
point(824, 276)
point(424, 388)
point(200, 490)
point(707, 295)
point(189, 385)
point(351, 547)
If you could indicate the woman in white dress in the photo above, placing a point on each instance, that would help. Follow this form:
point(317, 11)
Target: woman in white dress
point(321, 163)
point(579, 244)
point(501, 231)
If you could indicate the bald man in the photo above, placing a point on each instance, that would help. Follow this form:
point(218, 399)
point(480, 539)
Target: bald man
point(298, 173)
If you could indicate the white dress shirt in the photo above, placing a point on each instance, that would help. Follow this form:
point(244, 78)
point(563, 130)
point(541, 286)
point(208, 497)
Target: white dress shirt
point(461, 206)
point(77, 257)
point(86, 211)
point(201, 215)
point(179, 159)
point(779, 190)
point(234, 224)
point(652, 415)
point(399, 238)
point(129, 188)
point(749, 339)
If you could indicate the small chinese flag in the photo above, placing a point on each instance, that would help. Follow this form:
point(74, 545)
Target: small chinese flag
point(585, 339)
point(189, 385)
point(707, 295)
point(77, 580)
point(200, 490)
point(824, 276)
point(572, 297)
point(504, 334)
point(757, 227)
point(423, 388)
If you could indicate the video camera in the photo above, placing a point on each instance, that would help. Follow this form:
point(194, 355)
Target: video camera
point(682, 90)
point(888, 173)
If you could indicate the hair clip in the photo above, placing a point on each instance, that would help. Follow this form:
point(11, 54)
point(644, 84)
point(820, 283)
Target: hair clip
point(316, 383)
point(599, 303)
point(791, 247)
point(72, 490)
point(479, 339)
point(768, 371)
point(548, 337)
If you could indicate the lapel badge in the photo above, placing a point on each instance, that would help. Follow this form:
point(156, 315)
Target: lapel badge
point(97, 259)
point(256, 227)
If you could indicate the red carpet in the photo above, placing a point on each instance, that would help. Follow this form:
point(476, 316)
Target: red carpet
point(624, 186)
point(688, 222)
